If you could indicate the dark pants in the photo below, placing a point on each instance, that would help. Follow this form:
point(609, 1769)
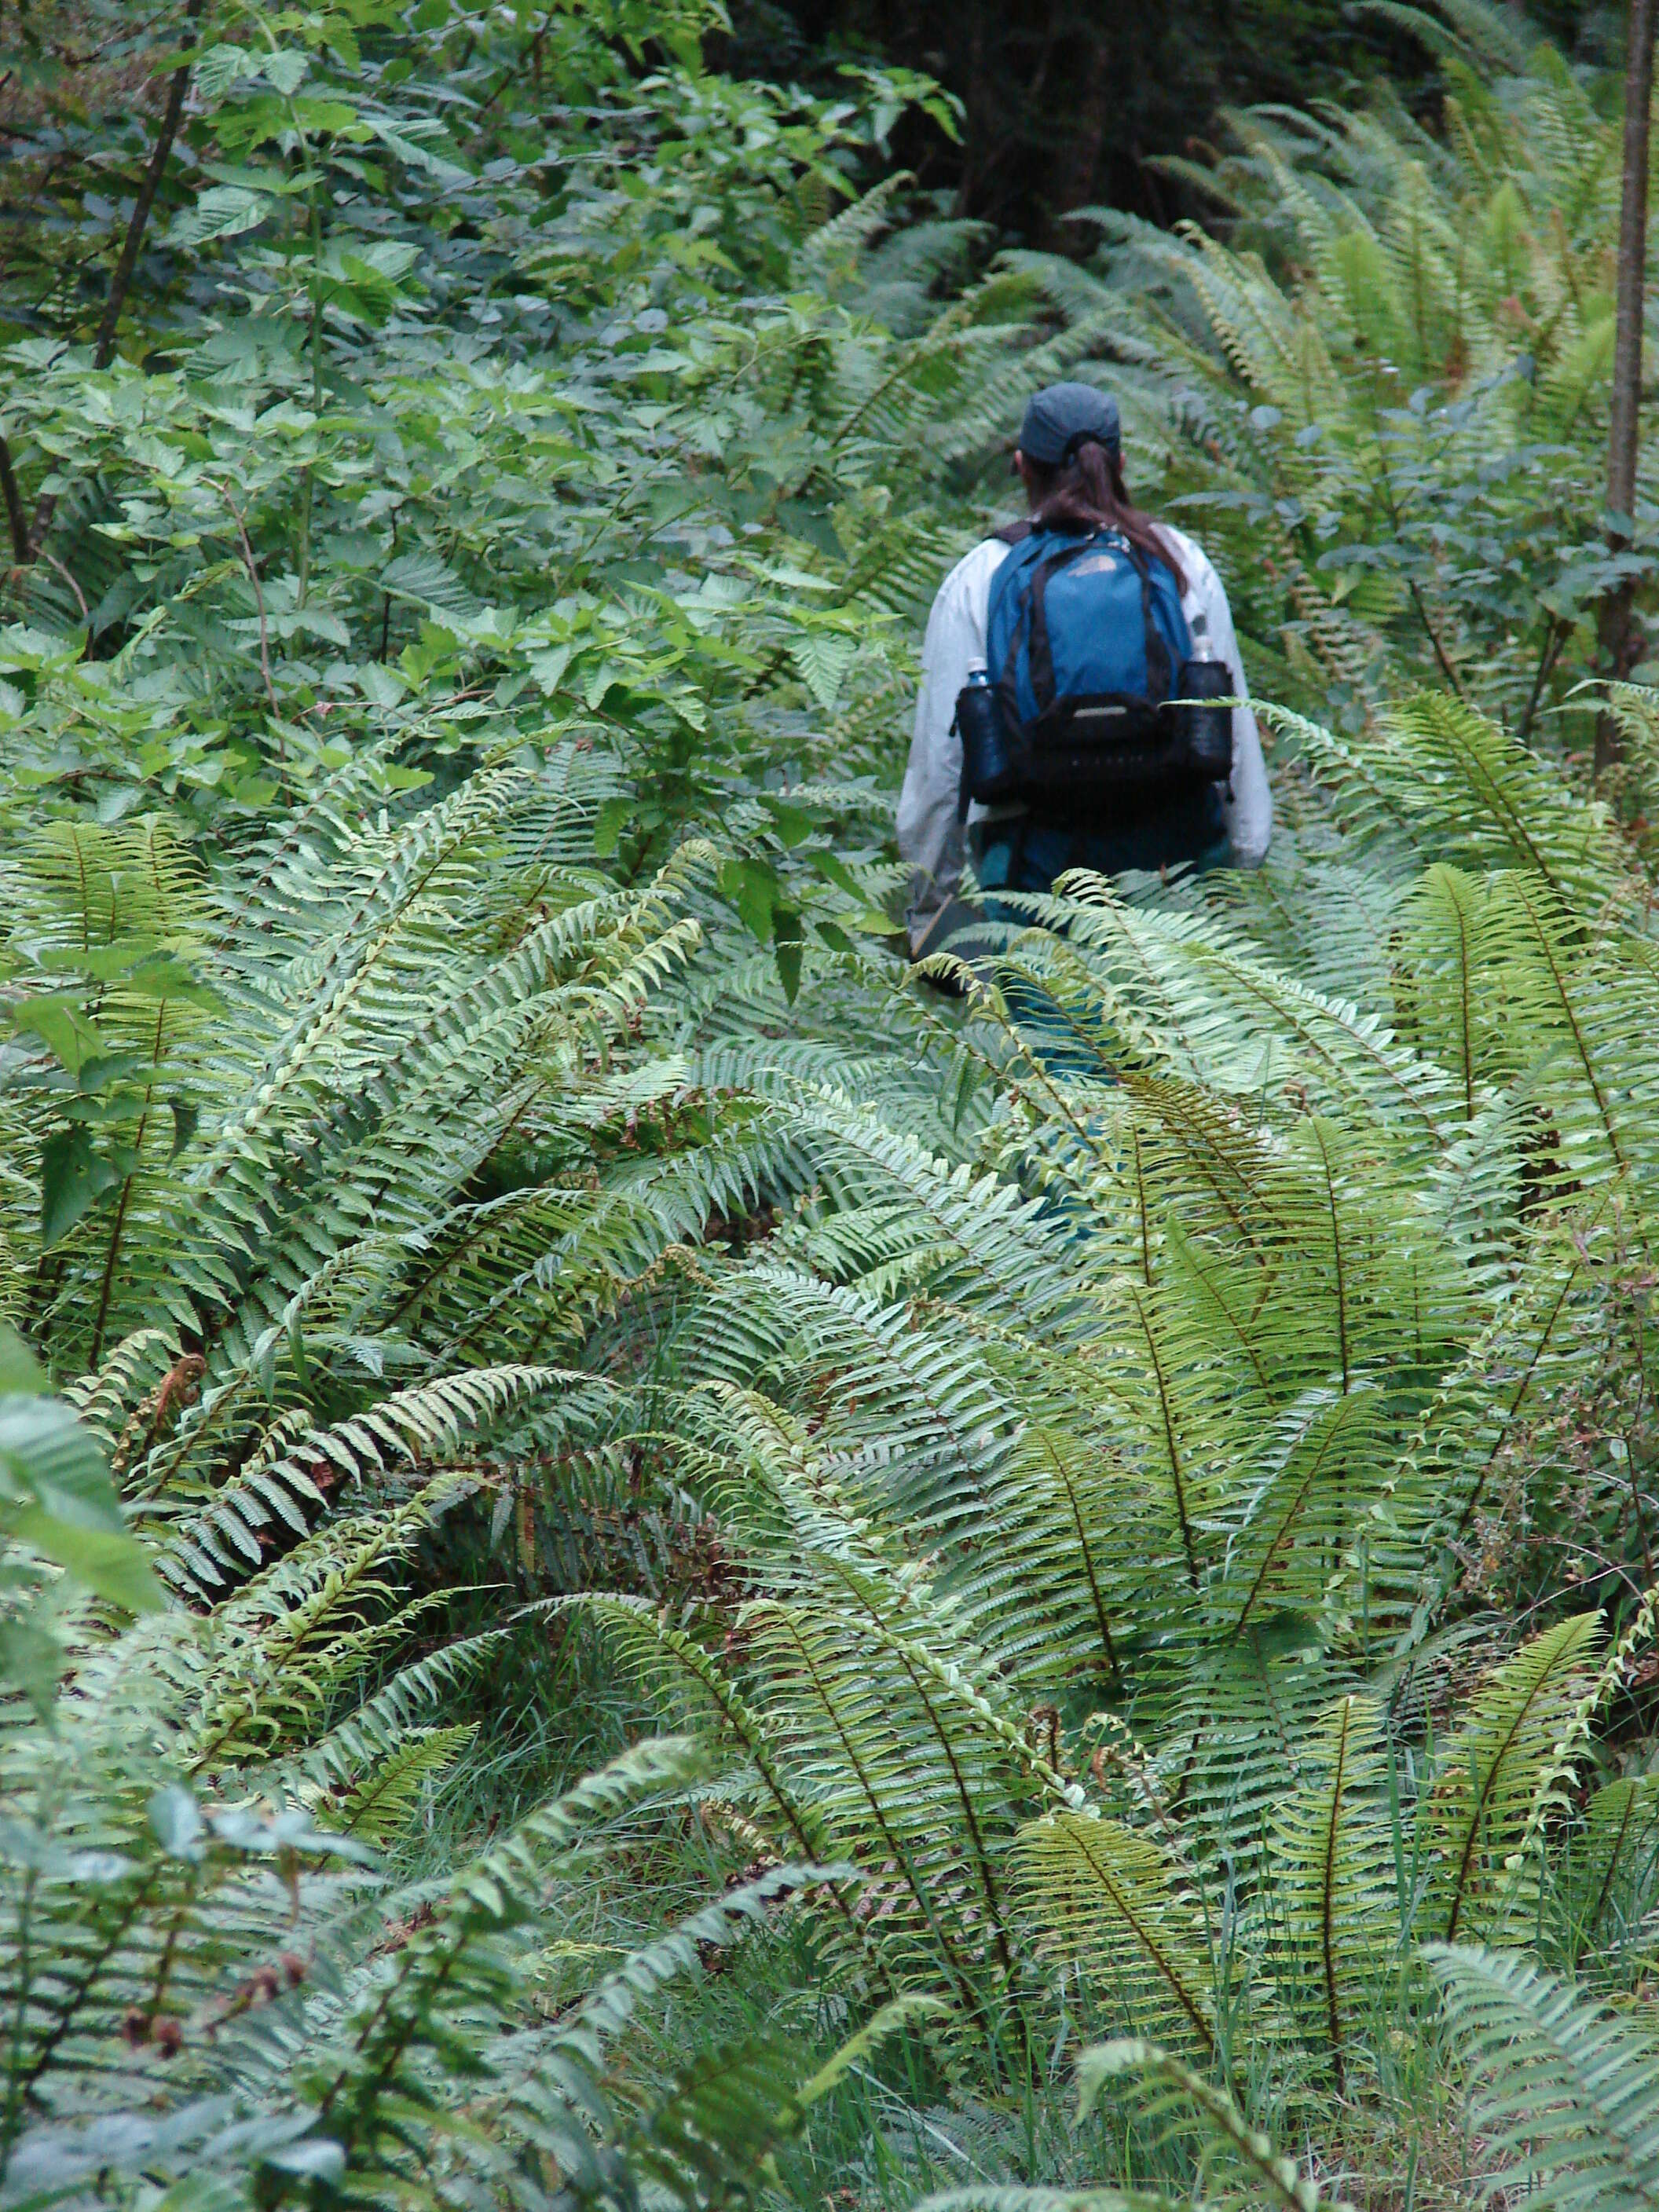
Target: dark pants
point(1027, 855)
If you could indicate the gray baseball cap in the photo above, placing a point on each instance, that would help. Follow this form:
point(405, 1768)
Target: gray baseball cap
point(1063, 416)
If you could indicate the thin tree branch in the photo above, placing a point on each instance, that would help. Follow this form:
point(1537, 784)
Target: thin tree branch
point(253, 568)
point(1384, 483)
point(1446, 668)
point(121, 282)
point(1555, 638)
point(68, 578)
point(484, 107)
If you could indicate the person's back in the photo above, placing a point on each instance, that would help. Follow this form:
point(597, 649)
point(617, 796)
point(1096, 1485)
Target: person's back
point(1130, 800)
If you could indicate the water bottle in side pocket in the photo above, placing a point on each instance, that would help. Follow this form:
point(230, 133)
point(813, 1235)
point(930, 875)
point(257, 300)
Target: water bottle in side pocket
point(1207, 728)
point(989, 770)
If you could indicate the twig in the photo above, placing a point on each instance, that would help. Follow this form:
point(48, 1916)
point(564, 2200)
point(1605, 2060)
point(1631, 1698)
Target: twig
point(68, 578)
point(1446, 668)
point(484, 107)
point(253, 568)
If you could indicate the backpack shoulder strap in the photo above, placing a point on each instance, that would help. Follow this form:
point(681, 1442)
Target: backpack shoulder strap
point(1012, 533)
point(1036, 609)
point(1160, 674)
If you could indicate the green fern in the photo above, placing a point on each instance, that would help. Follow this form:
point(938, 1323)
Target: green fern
point(1565, 2095)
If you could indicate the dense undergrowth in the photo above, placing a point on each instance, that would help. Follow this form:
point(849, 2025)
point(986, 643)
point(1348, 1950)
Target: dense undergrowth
point(644, 1562)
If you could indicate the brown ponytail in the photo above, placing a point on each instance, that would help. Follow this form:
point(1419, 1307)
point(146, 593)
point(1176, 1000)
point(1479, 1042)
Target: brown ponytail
point(1087, 493)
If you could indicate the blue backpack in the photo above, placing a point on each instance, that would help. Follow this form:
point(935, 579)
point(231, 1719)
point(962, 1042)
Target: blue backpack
point(1086, 645)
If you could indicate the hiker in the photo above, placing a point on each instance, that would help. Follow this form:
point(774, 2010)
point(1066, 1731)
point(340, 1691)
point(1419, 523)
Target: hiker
point(1079, 623)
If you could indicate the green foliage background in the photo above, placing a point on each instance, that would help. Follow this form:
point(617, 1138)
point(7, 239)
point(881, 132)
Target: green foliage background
point(643, 1561)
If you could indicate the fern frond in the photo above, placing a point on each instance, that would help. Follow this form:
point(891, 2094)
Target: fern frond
point(1566, 2095)
point(1110, 1900)
point(1480, 1806)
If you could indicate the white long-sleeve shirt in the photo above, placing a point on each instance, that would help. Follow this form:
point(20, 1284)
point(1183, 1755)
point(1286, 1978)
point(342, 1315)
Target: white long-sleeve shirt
point(931, 836)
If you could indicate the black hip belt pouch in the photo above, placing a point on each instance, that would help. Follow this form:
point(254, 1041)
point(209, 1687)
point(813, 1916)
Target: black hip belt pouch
point(1207, 729)
point(1134, 743)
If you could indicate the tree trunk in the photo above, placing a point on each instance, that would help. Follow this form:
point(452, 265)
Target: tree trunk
point(16, 521)
point(1614, 624)
point(1080, 164)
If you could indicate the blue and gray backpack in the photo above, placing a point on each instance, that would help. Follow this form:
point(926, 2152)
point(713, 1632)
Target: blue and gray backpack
point(1087, 649)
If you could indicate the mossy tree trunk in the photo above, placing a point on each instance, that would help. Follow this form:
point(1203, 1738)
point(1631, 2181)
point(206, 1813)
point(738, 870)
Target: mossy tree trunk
point(1619, 638)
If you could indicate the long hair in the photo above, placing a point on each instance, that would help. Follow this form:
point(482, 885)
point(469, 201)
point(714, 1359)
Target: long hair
point(1087, 493)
